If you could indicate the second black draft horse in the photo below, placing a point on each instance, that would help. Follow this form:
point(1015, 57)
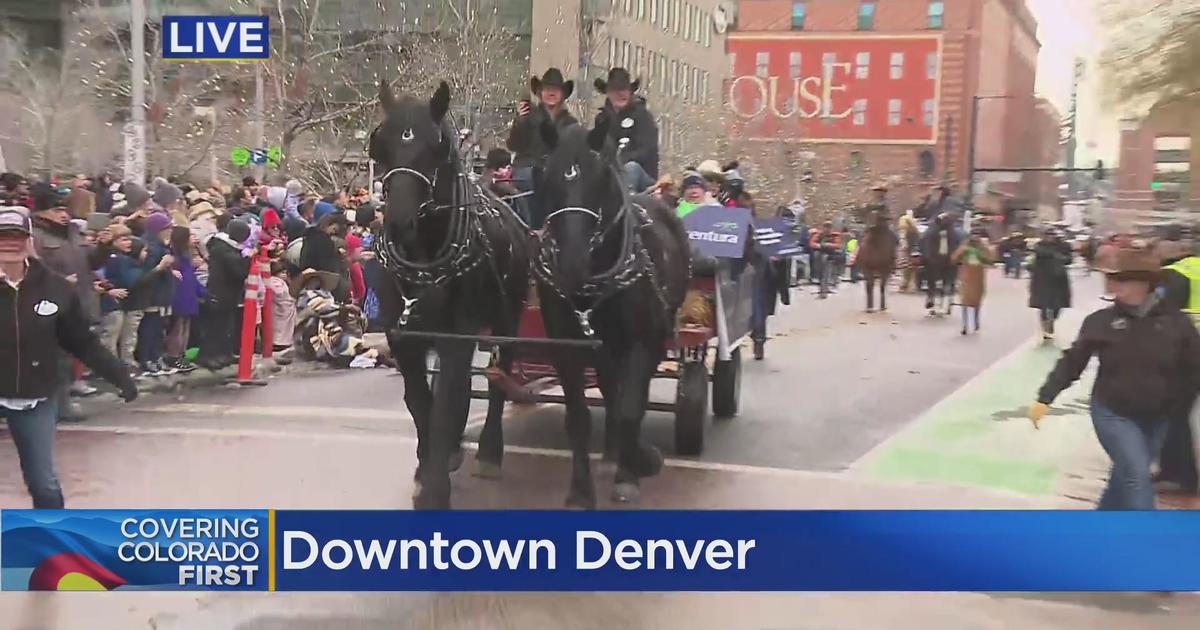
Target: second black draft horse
point(459, 259)
point(613, 268)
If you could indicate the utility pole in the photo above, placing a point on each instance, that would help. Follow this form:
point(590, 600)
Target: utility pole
point(260, 133)
point(135, 129)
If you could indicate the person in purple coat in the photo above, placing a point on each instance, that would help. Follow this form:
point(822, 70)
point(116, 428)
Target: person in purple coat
point(189, 293)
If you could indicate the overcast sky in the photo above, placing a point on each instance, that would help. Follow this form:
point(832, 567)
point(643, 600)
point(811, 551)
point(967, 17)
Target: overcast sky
point(1068, 29)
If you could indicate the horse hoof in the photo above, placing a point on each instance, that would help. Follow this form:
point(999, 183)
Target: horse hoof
point(487, 470)
point(649, 462)
point(456, 461)
point(626, 492)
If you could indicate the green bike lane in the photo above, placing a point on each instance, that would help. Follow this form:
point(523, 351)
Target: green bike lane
point(980, 437)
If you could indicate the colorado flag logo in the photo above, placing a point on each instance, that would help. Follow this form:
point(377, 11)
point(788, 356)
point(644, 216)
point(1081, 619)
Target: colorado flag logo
point(215, 37)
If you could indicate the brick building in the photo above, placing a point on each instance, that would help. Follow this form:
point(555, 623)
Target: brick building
point(1158, 179)
point(884, 89)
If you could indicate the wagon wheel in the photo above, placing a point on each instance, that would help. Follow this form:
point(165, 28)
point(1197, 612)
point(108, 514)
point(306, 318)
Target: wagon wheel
point(691, 408)
point(727, 385)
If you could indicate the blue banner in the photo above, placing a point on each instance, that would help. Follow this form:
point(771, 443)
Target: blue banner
point(216, 38)
point(718, 231)
point(160, 550)
point(602, 551)
point(775, 238)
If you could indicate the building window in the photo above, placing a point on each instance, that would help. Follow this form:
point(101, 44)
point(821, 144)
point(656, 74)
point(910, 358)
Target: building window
point(866, 15)
point(687, 21)
point(701, 20)
point(897, 69)
point(641, 9)
point(612, 51)
point(628, 7)
point(862, 65)
point(937, 14)
point(706, 25)
point(697, 87)
point(931, 65)
point(654, 11)
point(666, 15)
point(893, 112)
point(762, 63)
point(625, 55)
point(927, 113)
point(857, 162)
point(705, 87)
point(662, 71)
point(799, 12)
point(683, 79)
point(828, 59)
point(794, 65)
point(925, 163)
point(674, 77)
point(678, 15)
point(860, 112)
point(638, 55)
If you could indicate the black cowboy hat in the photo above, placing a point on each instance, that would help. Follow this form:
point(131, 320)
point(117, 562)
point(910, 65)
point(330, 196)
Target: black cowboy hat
point(618, 79)
point(552, 78)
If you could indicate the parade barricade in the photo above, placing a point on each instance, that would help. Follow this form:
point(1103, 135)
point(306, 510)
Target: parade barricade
point(256, 310)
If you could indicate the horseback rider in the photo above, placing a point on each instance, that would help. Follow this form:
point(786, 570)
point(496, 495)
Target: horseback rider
point(631, 126)
point(525, 138)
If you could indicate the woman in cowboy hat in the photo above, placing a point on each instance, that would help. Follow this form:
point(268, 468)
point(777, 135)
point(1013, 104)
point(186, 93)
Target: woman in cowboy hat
point(525, 137)
point(631, 127)
point(1149, 366)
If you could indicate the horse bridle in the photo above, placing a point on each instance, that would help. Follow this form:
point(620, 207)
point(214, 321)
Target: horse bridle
point(412, 172)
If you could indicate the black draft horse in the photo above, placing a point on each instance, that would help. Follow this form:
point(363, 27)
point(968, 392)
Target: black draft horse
point(612, 268)
point(937, 248)
point(459, 258)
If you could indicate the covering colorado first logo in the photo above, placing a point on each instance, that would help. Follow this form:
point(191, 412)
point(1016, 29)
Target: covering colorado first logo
point(216, 38)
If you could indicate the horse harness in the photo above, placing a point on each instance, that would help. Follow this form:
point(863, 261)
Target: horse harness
point(465, 247)
point(632, 264)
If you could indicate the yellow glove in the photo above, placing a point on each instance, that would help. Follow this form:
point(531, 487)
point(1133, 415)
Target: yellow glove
point(1037, 411)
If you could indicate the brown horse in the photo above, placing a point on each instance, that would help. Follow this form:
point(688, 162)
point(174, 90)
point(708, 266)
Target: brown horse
point(876, 258)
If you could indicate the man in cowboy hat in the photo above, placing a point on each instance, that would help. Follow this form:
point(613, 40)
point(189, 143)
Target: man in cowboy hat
point(631, 126)
point(525, 137)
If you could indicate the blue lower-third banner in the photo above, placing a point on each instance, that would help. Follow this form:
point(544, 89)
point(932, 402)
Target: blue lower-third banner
point(600, 551)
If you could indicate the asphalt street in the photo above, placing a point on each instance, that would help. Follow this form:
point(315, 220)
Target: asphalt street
point(848, 411)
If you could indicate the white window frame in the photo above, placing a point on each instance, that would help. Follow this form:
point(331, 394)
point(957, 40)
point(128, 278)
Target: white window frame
point(931, 65)
point(860, 112)
point(896, 66)
point(795, 59)
point(862, 65)
point(895, 107)
point(762, 64)
point(641, 10)
point(927, 110)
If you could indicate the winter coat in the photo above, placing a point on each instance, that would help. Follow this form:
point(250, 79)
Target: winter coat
point(636, 123)
point(940, 242)
point(319, 252)
point(525, 136)
point(227, 271)
point(189, 293)
point(973, 262)
point(66, 252)
point(123, 271)
point(283, 311)
point(1149, 360)
point(158, 287)
point(39, 319)
point(1049, 285)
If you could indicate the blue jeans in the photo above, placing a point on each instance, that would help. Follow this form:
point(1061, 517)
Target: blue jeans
point(636, 178)
point(1132, 445)
point(527, 206)
point(1012, 264)
point(33, 433)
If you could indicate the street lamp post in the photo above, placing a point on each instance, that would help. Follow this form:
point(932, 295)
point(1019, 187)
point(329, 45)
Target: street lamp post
point(973, 131)
point(135, 131)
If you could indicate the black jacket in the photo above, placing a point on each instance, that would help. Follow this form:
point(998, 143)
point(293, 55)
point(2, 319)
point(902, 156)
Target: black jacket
point(227, 271)
point(1149, 361)
point(641, 131)
point(525, 136)
point(157, 287)
point(37, 319)
point(1049, 284)
point(1177, 289)
point(66, 252)
point(319, 252)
